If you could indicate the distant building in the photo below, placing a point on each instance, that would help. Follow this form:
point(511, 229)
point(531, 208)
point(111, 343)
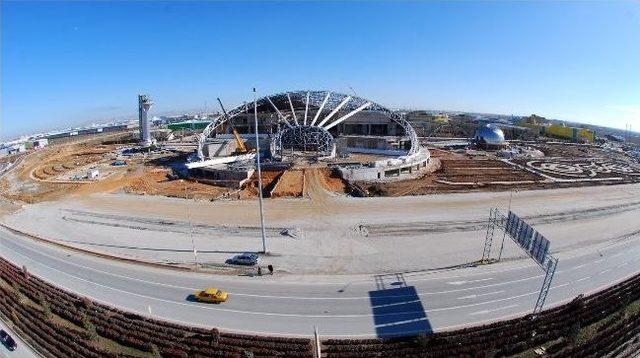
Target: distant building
point(40, 143)
point(17, 148)
point(93, 174)
point(193, 125)
point(562, 131)
point(615, 138)
point(573, 133)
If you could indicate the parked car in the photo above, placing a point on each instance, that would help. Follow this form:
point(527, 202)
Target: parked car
point(246, 258)
point(7, 340)
point(211, 295)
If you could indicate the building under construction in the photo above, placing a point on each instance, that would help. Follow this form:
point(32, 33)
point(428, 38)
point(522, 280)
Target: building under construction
point(317, 126)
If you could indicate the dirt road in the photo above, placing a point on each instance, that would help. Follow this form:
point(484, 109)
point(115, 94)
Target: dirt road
point(336, 233)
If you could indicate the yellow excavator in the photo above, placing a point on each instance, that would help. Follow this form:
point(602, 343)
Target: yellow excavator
point(241, 148)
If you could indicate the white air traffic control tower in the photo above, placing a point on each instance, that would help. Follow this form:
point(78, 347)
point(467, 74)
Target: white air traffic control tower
point(144, 103)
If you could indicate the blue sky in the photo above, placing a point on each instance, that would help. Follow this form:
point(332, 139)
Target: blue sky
point(75, 62)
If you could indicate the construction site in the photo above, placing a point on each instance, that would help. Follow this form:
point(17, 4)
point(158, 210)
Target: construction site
point(320, 154)
point(368, 226)
point(354, 146)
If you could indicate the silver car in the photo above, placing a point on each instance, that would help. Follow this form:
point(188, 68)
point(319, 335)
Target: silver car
point(247, 258)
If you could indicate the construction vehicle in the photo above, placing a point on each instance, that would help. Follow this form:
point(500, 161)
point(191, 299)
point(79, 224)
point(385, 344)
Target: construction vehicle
point(241, 148)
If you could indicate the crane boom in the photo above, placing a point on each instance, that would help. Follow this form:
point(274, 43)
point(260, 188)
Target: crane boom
point(241, 147)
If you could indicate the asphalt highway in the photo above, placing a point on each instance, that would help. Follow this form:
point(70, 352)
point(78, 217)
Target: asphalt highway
point(338, 305)
point(22, 351)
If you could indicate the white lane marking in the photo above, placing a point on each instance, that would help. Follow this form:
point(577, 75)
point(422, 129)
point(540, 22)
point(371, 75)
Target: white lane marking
point(264, 296)
point(289, 297)
point(622, 265)
point(584, 278)
point(348, 335)
point(402, 322)
point(479, 272)
point(469, 281)
point(579, 266)
point(480, 295)
point(616, 255)
point(598, 261)
point(489, 311)
point(395, 304)
point(199, 306)
point(604, 271)
point(260, 296)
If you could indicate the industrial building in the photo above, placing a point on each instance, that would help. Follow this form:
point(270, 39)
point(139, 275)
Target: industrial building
point(72, 132)
point(573, 133)
point(191, 124)
point(561, 131)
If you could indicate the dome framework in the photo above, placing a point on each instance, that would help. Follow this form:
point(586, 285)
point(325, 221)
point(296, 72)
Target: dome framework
point(305, 117)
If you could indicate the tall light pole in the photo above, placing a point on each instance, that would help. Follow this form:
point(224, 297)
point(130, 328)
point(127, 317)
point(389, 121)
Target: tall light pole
point(193, 243)
point(504, 234)
point(255, 118)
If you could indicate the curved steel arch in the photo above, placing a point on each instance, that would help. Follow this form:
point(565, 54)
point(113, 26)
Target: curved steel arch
point(289, 106)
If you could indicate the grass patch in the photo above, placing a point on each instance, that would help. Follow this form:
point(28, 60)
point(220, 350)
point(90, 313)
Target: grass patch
point(531, 354)
point(108, 345)
point(587, 333)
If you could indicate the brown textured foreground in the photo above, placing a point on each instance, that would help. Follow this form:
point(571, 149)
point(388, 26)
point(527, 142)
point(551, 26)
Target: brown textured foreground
point(58, 323)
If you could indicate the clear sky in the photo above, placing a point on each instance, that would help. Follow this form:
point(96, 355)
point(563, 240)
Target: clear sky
point(72, 62)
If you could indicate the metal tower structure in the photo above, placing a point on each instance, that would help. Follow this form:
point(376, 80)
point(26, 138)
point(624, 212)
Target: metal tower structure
point(529, 240)
point(144, 103)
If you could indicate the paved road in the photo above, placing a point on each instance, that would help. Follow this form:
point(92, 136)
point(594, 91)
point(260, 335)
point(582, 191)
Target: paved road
point(338, 305)
point(23, 351)
point(441, 229)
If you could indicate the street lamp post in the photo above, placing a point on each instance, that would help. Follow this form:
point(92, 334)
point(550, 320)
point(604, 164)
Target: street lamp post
point(255, 117)
point(193, 243)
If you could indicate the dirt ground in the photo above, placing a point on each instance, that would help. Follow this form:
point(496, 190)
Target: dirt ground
point(45, 175)
point(481, 170)
point(153, 181)
point(290, 184)
point(332, 181)
point(474, 174)
point(269, 180)
point(40, 175)
point(569, 151)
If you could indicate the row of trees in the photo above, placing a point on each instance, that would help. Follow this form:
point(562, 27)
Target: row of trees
point(41, 301)
point(33, 305)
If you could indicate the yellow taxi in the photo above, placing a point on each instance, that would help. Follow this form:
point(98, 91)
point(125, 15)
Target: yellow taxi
point(211, 295)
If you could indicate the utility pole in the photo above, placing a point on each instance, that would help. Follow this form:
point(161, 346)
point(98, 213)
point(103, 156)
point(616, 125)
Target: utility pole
point(255, 118)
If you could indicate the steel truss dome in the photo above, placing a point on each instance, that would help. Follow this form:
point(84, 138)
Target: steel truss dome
point(303, 138)
point(320, 110)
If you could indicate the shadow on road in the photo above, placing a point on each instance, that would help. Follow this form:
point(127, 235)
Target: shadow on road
point(397, 308)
